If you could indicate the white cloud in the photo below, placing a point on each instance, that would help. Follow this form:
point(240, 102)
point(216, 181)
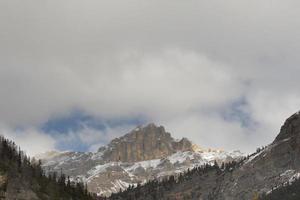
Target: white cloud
point(213, 132)
point(30, 140)
point(101, 138)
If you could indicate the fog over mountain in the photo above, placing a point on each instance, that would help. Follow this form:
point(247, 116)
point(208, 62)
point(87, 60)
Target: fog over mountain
point(222, 74)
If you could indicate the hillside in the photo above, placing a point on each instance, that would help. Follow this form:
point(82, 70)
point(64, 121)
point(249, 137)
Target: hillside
point(24, 179)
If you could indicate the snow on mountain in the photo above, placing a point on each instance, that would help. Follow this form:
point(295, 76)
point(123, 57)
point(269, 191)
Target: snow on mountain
point(119, 175)
point(145, 153)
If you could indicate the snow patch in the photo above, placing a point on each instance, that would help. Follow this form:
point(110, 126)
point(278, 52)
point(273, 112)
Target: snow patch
point(180, 157)
point(144, 164)
point(97, 156)
point(254, 156)
point(98, 169)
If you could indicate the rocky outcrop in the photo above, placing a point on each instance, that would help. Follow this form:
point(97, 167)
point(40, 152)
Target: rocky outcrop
point(290, 129)
point(144, 143)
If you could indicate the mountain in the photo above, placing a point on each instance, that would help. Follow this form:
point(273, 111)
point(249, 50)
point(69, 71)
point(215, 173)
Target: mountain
point(262, 175)
point(148, 164)
point(146, 153)
point(144, 143)
point(23, 179)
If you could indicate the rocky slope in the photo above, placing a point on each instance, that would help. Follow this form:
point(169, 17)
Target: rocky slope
point(143, 154)
point(278, 163)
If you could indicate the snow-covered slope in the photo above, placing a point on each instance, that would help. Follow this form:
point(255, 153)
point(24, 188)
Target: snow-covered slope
point(104, 175)
point(105, 178)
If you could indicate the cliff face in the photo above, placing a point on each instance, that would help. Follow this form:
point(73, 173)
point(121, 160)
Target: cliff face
point(144, 143)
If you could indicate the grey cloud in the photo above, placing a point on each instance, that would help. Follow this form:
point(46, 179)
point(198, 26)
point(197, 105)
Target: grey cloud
point(163, 59)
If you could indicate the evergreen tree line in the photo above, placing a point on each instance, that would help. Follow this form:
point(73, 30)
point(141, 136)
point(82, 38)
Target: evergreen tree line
point(155, 189)
point(19, 172)
point(258, 150)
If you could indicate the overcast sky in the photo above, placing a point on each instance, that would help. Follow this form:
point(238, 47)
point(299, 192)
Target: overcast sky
point(74, 74)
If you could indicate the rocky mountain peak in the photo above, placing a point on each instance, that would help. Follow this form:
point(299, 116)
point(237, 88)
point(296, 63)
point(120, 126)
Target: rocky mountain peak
point(290, 129)
point(144, 143)
point(145, 153)
point(148, 131)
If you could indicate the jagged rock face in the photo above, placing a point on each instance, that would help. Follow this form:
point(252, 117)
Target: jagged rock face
point(290, 129)
point(147, 143)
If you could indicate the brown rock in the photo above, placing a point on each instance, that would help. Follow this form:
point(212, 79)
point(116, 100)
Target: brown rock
point(145, 143)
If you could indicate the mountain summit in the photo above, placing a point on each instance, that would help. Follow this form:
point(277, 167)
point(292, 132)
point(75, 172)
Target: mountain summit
point(146, 153)
point(144, 143)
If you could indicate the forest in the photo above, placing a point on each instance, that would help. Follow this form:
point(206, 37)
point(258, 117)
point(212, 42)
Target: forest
point(22, 175)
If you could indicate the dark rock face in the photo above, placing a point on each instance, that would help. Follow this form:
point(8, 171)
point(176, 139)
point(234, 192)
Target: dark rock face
point(147, 143)
point(291, 128)
point(286, 151)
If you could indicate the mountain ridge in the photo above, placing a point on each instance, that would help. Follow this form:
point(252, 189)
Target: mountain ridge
point(271, 167)
point(145, 153)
